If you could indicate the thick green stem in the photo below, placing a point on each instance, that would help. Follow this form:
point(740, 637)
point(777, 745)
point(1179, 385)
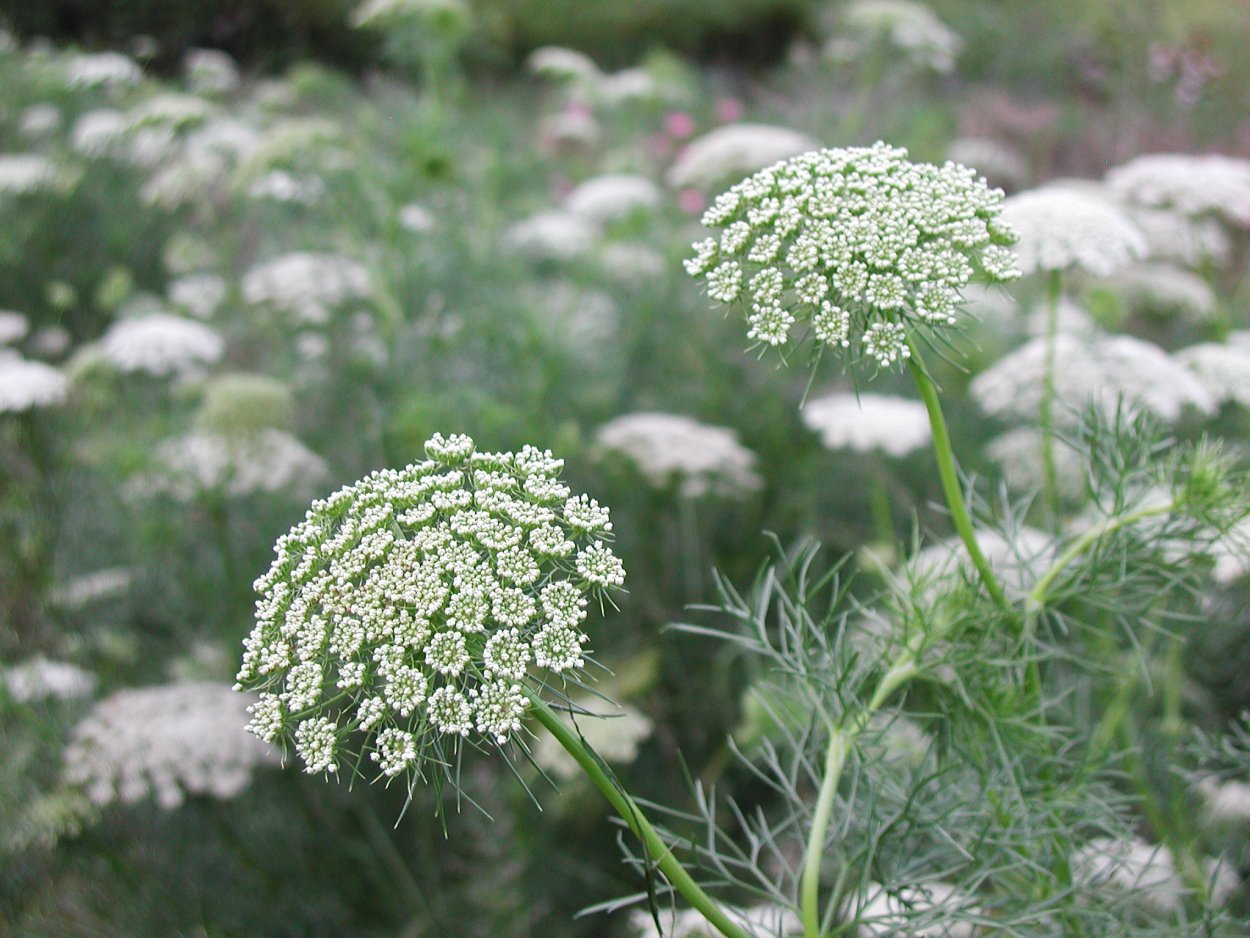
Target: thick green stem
point(656, 850)
point(949, 476)
point(1050, 487)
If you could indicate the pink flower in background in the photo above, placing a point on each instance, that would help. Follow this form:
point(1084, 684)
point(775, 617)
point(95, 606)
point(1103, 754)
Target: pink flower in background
point(692, 201)
point(679, 124)
point(729, 110)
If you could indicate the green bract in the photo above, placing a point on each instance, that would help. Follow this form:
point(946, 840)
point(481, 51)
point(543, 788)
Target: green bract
point(859, 243)
point(406, 611)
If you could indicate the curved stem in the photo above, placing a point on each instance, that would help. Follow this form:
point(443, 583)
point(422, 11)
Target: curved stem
point(656, 850)
point(949, 475)
point(1050, 487)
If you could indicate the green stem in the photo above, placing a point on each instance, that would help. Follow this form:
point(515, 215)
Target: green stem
point(949, 475)
point(1050, 487)
point(841, 739)
point(656, 850)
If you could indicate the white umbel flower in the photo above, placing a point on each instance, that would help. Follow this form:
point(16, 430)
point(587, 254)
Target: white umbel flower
point(615, 734)
point(866, 422)
point(1101, 369)
point(268, 461)
point(1226, 802)
point(210, 71)
point(1064, 227)
point(1018, 560)
point(561, 64)
point(307, 285)
point(1224, 370)
point(733, 151)
point(1018, 454)
point(102, 70)
point(161, 344)
point(167, 742)
point(25, 173)
point(910, 27)
point(29, 384)
point(40, 679)
point(612, 197)
point(99, 132)
point(199, 294)
point(1161, 289)
point(1146, 870)
point(674, 450)
point(923, 911)
point(1192, 241)
point(421, 582)
point(552, 236)
point(1193, 184)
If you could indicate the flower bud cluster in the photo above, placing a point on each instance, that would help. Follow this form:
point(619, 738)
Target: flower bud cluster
point(411, 606)
point(859, 243)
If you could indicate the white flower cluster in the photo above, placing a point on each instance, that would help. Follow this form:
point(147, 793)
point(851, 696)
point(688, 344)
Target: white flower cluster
point(1224, 370)
point(13, 327)
point(199, 294)
point(1096, 368)
point(998, 161)
point(168, 741)
point(1163, 289)
point(24, 173)
point(38, 679)
point(102, 70)
point(1018, 454)
point(860, 243)
point(669, 449)
point(612, 197)
point(28, 384)
point(1148, 871)
point(867, 422)
point(690, 923)
point(1193, 184)
point(307, 285)
point(411, 606)
point(614, 736)
point(552, 235)
point(910, 27)
point(210, 71)
point(1064, 226)
point(732, 151)
point(266, 461)
point(161, 344)
point(1017, 560)
point(884, 913)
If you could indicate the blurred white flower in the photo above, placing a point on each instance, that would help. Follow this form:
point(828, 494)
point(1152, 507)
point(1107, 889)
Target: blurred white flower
point(1226, 802)
point(38, 679)
point(1193, 184)
point(161, 344)
point(51, 341)
point(307, 285)
point(920, 911)
point(92, 587)
point(613, 733)
point(867, 422)
point(552, 235)
point(24, 173)
point(1148, 871)
point(1018, 454)
point(28, 384)
point(187, 180)
point(13, 327)
point(416, 218)
point(1018, 560)
point(1095, 368)
point(733, 151)
point(1182, 239)
point(998, 162)
point(99, 132)
point(1064, 227)
point(167, 742)
point(102, 70)
point(1231, 553)
point(266, 461)
point(1224, 370)
point(170, 109)
point(670, 449)
point(39, 120)
point(910, 27)
point(612, 197)
point(563, 64)
point(225, 136)
point(281, 186)
point(1163, 289)
point(198, 294)
point(629, 84)
point(210, 71)
point(1070, 316)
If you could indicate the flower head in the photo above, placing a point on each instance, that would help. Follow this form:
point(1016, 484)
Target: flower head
point(867, 422)
point(405, 612)
point(1194, 184)
point(860, 243)
point(25, 384)
point(161, 344)
point(1066, 226)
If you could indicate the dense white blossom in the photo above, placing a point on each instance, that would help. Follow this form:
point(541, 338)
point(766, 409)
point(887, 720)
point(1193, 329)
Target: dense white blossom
point(170, 109)
point(198, 294)
point(564, 64)
point(761, 920)
point(1163, 289)
point(860, 243)
point(552, 235)
point(1063, 227)
point(161, 344)
point(867, 422)
point(38, 679)
point(29, 384)
point(307, 285)
point(267, 461)
point(920, 911)
point(1193, 184)
point(210, 71)
point(1231, 553)
point(612, 197)
point(280, 186)
point(1101, 369)
point(13, 327)
point(1018, 453)
point(433, 590)
point(1226, 802)
point(168, 741)
point(24, 173)
point(39, 120)
point(1017, 560)
point(1146, 870)
point(102, 70)
point(910, 27)
point(99, 132)
point(416, 217)
point(1224, 370)
point(1188, 240)
point(733, 151)
point(671, 450)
